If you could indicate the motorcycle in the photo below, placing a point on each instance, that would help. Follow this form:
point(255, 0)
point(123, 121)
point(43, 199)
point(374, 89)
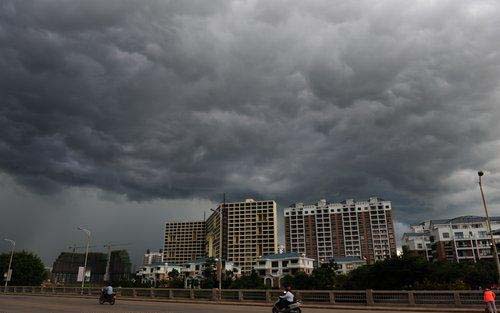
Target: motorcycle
point(107, 298)
point(293, 307)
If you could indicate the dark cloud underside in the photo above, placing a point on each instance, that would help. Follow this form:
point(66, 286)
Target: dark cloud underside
point(293, 100)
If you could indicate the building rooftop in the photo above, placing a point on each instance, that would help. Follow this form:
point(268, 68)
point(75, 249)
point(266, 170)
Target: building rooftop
point(277, 256)
point(346, 201)
point(464, 219)
point(415, 234)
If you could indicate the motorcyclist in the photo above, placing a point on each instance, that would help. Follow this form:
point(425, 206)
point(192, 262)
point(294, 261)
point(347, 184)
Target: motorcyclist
point(108, 291)
point(286, 298)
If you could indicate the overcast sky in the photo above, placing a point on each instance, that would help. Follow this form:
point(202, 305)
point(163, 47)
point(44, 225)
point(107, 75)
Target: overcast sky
point(119, 115)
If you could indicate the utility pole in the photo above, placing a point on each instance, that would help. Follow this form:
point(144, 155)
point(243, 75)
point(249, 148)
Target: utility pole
point(9, 270)
point(488, 222)
point(106, 275)
point(88, 234)
point(219, 260)
point(219, 276)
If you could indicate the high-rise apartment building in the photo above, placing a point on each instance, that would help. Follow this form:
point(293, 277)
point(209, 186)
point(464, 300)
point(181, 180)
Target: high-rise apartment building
point(184, 242)
point(463, 238)
point(325, 231)
point(249, 231)
point(65, 267)
point(213, 234)
point(151, 257)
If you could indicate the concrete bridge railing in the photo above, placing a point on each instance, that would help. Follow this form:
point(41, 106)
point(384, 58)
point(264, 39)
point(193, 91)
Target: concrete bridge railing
point(332, 297)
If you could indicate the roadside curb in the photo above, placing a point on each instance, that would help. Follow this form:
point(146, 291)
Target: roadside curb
point(473, 309)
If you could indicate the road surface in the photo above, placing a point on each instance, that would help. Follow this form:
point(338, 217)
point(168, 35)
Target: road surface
point(34, 304)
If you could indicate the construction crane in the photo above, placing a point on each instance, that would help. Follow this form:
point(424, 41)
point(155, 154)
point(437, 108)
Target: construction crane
point(74, 248)
point(109, 246)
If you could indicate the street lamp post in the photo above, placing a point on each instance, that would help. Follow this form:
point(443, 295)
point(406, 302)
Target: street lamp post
point(488, 222)
point(9, 270)
point(88, 234)
point(220, 241)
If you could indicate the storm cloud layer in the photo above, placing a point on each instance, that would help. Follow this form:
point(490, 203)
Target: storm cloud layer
point(291, 100)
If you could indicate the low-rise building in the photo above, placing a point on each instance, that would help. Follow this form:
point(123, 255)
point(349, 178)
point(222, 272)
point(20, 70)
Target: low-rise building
point(156, 272)
point(193, 271)
point(348, 263)
point(417, 243)
point(273, 267)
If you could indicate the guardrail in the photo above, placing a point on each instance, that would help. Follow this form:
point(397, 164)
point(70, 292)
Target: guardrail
point(333, 297)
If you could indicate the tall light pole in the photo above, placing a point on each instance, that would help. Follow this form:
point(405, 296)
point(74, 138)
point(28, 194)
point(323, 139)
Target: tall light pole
point(219, 261)
point(9, 270)
point(220, 239)
point(88, 234)
point(488, 222)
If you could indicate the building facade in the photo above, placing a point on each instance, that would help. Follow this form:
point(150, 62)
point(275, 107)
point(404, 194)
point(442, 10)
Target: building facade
point(152, 257)
point(322, 231)
point(348, 263)
point(417, 242)
point(156, 272)
point(271, 268)
point(192, 272)
point(65, 267)
point(463, 238)
point(184, 241)
point(249, 230)
point(213, 235)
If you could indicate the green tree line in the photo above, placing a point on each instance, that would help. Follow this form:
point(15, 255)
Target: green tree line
point(400, 273)
point(27, 269)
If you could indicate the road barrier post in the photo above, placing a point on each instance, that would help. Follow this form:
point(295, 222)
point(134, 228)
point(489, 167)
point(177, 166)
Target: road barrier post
point(369, 297)
point(456, 298)
point(332, 297)
point(411, 298)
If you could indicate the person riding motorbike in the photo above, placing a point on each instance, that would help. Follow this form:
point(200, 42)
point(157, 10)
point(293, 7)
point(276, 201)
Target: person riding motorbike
point(286, 298)
point(107, 295)
point(108, 291)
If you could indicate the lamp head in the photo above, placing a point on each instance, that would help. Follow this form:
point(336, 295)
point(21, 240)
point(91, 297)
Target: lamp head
point(12, 242)
point(480, 173)
point(86, 231)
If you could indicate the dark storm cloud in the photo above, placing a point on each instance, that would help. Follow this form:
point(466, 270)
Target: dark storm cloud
point(291, 100)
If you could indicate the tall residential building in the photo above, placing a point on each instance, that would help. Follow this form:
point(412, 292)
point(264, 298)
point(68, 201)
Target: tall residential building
point(65, 267)
point(249, 231)
point(213, 235)
point(152, 257)
point(184, 242)
point(463, 238)
point(325, 231)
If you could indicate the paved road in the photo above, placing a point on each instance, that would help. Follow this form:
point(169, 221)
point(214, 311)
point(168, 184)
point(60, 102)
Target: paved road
point(33, 304)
